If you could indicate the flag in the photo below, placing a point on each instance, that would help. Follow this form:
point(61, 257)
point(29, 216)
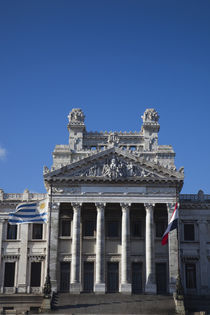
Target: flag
point(173, 224)
point(30, 212)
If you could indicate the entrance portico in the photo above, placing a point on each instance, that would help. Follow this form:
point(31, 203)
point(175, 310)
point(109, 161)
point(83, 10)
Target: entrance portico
point(101, 248)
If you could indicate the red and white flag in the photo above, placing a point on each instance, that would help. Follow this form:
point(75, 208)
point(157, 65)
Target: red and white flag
point(173, 224)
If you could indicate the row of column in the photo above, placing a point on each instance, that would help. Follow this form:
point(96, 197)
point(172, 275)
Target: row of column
point(150, 285)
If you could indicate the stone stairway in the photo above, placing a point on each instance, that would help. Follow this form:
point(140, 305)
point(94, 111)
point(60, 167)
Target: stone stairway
point(64, 303)
point(197, 304)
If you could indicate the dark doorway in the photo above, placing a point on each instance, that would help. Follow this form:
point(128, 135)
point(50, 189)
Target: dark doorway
point(9, 274)
point(112, 277)
point(161, 278)
point(136, 277)
point(88, 276)
point(64, 276)
point(35, 274)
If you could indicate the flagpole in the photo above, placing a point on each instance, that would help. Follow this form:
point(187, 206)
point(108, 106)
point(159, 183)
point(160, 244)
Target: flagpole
point(179, 287)
point(47, 285)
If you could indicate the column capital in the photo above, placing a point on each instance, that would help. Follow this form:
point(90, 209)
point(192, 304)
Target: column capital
point(100, 205)
point(171, 206)
point(55, 205)
point(149, 206)
point(76, 206)
point(125, 206)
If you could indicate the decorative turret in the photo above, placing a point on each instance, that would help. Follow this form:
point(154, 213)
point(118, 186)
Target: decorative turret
point(150, 129)
point(76, 129)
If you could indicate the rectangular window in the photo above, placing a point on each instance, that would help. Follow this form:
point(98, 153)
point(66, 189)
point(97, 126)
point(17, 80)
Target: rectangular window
point(89, 228)
point(37, 231)
point(9, 274)
point(35, 274)
point(189, 233)
point(112, 229)
point(11, 231)
point(65, 227)
point(136, 229)
point(190, 271)
point(160, 228)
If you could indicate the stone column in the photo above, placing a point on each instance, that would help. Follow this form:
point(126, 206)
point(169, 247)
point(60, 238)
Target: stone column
point(203, 232)
point(54, 244)
point(100, 250)
point(125, 250)
point(75, 255)
point(22, 264)
point(150, 286)
point(172, 252)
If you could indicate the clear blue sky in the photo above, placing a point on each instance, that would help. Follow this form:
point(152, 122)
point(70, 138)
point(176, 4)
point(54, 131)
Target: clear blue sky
point(113, 59)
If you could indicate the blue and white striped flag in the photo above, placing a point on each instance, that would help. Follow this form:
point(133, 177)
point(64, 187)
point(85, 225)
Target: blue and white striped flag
point(30, 212)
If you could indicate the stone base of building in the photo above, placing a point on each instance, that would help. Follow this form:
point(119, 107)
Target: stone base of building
point(46, 305)
point(75, 288)
point(179, 304)
point(125, 288)
point(150, 288)
point(100, 288)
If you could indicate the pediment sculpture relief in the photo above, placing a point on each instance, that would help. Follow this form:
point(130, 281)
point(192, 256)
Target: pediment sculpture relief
point(114, 168)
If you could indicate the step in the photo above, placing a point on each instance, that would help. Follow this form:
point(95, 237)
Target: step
point(113, 304)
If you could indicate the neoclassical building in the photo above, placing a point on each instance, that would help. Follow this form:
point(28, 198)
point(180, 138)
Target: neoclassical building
point(112, 195)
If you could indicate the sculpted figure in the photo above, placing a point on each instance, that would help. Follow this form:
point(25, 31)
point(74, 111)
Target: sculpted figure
point(130, 169)
point(150, 115)
point(76, 116)
point(113, 139)
point(46, 170)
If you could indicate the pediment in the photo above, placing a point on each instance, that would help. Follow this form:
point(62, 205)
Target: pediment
point(112, 165)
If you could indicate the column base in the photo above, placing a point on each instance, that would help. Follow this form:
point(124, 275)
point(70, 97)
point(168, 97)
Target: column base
point(125, 288)
point(150, 288)
point(22, 288)
point(75, 288)
point(172, 288)
point(54, 286)
point(99, 288)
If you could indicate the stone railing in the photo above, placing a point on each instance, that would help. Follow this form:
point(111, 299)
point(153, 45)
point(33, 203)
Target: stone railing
point(25, 196)
point(200, 196)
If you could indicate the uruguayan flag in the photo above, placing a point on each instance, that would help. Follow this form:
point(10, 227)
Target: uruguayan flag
point(30, 212)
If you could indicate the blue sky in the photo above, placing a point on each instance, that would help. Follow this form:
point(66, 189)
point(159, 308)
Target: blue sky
point(113, 59)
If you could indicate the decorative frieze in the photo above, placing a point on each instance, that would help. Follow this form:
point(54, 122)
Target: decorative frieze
point(36, 258)
point(11, 258)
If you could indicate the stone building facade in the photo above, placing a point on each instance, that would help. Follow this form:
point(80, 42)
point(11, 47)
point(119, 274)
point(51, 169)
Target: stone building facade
point(112, 195)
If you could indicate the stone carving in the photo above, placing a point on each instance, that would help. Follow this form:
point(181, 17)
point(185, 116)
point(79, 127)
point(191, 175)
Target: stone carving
point(70, 190)
point(57, 190)
point(114, 168)
point(11, 257)
point(113, 139)
point(36, 257)
point(153, 142)
point(150, 115)
point(201, 195)
point(45, 170)
point(181, 170)
point(76, 116)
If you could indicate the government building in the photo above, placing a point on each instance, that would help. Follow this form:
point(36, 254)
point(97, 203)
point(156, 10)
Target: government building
point(111, 196)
